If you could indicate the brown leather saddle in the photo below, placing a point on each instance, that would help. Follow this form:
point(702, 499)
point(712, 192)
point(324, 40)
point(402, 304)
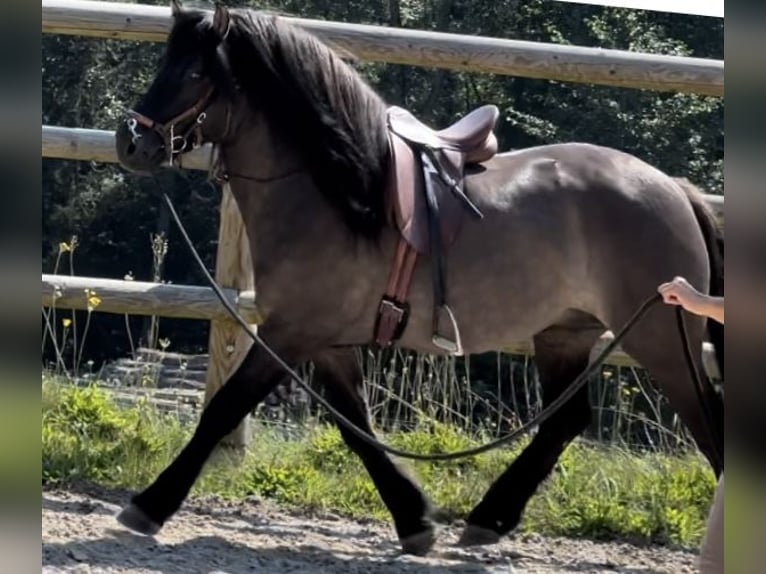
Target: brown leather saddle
point(426, 202)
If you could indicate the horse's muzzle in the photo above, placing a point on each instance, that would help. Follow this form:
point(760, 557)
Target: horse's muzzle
point(140, 149)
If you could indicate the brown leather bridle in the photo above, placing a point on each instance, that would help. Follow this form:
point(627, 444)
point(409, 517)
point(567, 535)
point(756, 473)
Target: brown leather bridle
point(166, 130)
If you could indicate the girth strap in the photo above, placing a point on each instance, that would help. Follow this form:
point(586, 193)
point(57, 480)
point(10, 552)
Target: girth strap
point(394, 309)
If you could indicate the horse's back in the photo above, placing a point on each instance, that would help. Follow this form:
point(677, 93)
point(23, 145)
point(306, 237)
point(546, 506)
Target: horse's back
point(598, 184)
point(569, 166)
point(582, 224)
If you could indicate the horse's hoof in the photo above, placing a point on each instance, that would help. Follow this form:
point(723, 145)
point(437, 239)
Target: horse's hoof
point(135, 519)
point(478, 536)
point(419, 544)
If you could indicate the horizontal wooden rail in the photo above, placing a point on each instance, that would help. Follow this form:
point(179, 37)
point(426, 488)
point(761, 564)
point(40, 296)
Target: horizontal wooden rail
point(618, 357)
point(194, 302)
point(98, 145)
point(422, 48)
point(145, 298)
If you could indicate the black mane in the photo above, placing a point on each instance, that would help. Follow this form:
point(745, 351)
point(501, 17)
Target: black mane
point(325, 109)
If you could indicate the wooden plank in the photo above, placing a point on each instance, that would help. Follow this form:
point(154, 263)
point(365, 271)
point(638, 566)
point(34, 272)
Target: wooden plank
point(618, 357)
point(715, 202)
point(145, 298)
point(98, 145)
point(191, 302)
point(228, 343)
point(475, 54)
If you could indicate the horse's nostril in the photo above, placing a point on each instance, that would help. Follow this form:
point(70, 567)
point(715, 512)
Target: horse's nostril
point(131, 149)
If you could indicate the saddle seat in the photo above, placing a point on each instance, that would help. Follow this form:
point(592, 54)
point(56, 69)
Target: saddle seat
point(472, 135)
point(425, 203)
point(468, 141)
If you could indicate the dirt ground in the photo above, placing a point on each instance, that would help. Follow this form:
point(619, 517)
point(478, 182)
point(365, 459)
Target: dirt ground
point(80, 534)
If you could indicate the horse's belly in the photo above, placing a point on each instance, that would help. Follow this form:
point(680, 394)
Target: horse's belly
point(503, 283)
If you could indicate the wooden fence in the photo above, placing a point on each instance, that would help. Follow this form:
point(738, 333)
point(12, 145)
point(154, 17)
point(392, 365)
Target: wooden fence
point(194, 302)
point(228, 344)
point(424, 48)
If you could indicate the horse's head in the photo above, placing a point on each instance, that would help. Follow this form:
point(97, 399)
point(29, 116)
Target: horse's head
point(261, 87)
point(189, 100)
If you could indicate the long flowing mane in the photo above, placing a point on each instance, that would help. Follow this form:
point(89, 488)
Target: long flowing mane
point(321, 105)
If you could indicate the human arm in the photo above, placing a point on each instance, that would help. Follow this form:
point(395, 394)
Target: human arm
point(680, 292)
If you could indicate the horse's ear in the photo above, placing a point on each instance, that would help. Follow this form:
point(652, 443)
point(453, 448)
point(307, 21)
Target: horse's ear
point(221, 20)
point(175, 7)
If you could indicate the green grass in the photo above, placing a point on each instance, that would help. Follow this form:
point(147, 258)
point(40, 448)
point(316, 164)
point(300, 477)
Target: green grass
point(593, 492)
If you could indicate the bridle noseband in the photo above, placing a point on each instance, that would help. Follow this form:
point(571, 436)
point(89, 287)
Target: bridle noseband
point(217, 170)
point(167, 130)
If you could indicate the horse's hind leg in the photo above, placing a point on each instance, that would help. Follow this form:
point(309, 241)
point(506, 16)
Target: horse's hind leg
point(655, 343)
point(561, 354)
point(250, 384)
point(338, 370)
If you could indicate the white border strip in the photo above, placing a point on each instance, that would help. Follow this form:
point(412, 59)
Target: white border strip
point(713, 8)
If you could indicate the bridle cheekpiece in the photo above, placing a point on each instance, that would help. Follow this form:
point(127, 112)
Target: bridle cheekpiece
point(174, 143)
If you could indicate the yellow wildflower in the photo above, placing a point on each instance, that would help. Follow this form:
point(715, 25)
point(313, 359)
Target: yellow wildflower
point(93, 302)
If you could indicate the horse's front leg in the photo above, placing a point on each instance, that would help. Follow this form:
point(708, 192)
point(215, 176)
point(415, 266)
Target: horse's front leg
point(339, 372)
point(249, 385)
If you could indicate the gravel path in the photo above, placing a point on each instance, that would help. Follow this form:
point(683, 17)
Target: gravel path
point(80, 534)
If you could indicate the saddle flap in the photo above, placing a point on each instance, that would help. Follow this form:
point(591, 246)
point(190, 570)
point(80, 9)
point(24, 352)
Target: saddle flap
point(407, 205)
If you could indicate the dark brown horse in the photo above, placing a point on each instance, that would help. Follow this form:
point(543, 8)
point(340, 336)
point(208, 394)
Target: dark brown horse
point(573, 238)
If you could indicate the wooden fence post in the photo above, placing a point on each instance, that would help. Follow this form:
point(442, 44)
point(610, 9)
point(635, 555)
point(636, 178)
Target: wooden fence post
point(228, 343)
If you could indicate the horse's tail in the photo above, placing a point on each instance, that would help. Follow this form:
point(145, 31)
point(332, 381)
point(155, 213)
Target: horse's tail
point(713, 234)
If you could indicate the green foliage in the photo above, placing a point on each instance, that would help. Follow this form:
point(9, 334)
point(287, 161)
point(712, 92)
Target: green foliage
point(327, 450)
point(85, 436)
point(607, 493)
point(593, 492)
point(283, 484)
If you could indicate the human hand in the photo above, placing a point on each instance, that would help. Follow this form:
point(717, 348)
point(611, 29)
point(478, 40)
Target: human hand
point(680, 292)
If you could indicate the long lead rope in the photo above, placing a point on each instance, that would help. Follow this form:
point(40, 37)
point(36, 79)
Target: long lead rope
point(371, 440)
point(698, 387)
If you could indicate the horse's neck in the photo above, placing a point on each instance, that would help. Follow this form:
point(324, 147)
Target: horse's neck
point(276, 196)
point(257, 153)
point(261, 168)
